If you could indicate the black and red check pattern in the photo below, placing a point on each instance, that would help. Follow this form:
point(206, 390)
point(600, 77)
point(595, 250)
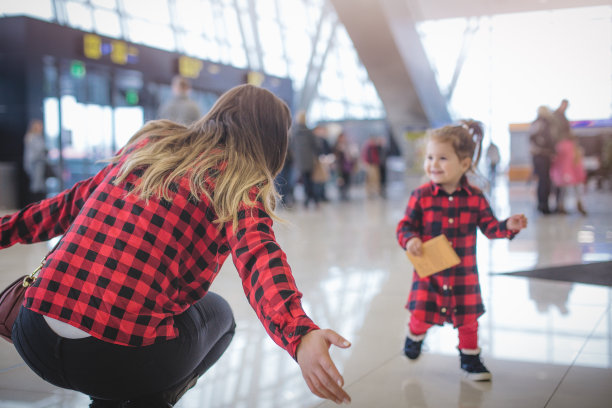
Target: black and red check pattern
point(125, 267)
point(452, 295)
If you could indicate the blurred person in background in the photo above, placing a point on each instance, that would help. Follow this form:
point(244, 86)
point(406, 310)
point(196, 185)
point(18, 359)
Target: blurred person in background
point(285, 181)
point(372, 157)
point(560, 127)
point(35, 160)
point(567, 171)
point(305, 154)
point(181, 108)
point(321, 171)
point(383, 152)
point(493, 158)
point(345, 161)
point(542, 149)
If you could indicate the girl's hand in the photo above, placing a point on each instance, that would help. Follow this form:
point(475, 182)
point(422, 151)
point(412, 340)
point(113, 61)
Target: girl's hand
point(517, 222)
point(415, 246)
point(317, 367)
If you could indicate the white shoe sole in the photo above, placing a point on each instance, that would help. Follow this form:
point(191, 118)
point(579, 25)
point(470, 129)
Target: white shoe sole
point(478, 376)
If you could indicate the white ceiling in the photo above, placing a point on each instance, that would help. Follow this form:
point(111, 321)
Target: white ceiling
point(441, 9)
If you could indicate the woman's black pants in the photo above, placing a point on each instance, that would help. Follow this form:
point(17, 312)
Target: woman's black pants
point(151, 376)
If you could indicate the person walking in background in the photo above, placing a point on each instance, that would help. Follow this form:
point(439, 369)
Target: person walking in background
point(372, 159)
point(560, 126)
point(567, 171)
point(321, 173)
point(493, 158)
point(345, 164)
point(542, 149)
point(382, 164)
point(606, 163)
point(181, 109)
point(305, 154)
point(449, 205)
point(35, 160)
point(125, 295)
point(285, 181)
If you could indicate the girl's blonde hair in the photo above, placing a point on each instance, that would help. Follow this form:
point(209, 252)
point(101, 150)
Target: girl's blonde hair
point(240, 143)
point(465, 138)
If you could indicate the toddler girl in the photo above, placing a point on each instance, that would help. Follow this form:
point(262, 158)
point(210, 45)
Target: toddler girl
point(449, 205)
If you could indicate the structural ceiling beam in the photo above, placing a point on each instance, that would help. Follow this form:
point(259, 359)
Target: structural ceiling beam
point(385, 38)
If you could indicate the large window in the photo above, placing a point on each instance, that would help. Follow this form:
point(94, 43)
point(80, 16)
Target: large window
point(513, 63)
point(299, 39)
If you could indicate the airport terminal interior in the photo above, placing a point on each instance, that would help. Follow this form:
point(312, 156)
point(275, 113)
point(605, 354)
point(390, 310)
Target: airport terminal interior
point(96, 70)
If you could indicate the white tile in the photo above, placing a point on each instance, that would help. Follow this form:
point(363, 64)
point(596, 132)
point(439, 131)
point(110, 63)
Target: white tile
point(355, 279)
point(584, 387)
point(436, 381)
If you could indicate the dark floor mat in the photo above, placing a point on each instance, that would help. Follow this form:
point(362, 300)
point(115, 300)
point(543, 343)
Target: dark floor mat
point(597, 273)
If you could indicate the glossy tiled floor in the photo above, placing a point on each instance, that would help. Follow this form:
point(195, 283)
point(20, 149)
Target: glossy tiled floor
point(547, 343)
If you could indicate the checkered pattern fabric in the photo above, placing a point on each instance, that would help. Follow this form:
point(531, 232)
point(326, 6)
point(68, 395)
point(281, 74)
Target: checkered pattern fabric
point(125, 267)
point(452, 295)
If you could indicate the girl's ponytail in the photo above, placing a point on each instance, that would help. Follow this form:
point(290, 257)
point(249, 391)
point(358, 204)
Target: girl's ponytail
point(476, 132)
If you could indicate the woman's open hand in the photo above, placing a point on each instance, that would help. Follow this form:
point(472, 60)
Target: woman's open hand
point(317, 367)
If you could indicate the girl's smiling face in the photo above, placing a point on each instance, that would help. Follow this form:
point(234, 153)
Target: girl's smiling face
point(443, 166)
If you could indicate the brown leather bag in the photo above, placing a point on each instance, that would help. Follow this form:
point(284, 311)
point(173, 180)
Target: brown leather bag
point(11, 300)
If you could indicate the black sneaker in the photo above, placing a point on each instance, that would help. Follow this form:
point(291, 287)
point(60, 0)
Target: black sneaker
point(473, 367)
point(412, 348)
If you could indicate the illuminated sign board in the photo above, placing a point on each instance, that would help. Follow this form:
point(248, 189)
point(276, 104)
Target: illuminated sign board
point(255, 78)
point(92, 46)
point(77, 69)
point(189, 67)
point(119, 52)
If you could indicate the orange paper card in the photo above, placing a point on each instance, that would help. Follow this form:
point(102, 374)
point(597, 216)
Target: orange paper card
point(438, 254)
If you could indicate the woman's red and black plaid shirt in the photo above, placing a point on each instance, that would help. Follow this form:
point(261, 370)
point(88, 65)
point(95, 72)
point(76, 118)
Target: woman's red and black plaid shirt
point(452, 295)
point(125, 267)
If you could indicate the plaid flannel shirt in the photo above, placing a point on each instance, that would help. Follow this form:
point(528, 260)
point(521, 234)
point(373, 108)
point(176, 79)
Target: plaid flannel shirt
point(125, 267)
point(452, 295)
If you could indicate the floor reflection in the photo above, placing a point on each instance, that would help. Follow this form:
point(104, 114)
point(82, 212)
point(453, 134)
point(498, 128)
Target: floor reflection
point(541, 339)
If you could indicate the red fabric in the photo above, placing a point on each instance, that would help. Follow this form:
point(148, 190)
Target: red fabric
point(126, 267)
point(567, 168)
point(372, 154)
point(418, 327)
point(468, 336)
point(468, 333)
point(452, 295)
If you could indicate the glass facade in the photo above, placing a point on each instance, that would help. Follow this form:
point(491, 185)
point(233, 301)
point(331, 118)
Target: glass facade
point(299, 39)
point(496, 68)
point(501, 68)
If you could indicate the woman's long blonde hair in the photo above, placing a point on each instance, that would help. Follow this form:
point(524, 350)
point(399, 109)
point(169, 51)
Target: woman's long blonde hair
point(240, 143)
